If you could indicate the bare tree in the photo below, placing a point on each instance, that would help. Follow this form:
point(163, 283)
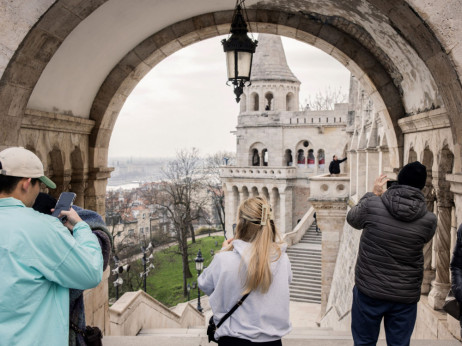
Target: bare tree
point(213, 181)
point(180, 195)
point(325, 100)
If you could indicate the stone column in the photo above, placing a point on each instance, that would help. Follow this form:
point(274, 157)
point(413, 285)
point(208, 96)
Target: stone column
point(230, 207)
point(95, 194)
point(429, 271)
point(441, 284)
point(330, 216)
point(372, 167)
point(361, 172)
point(285, 208)
point(353, 172)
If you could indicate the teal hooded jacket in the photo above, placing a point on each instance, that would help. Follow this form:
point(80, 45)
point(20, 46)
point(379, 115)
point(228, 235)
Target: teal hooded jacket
point(40, 260)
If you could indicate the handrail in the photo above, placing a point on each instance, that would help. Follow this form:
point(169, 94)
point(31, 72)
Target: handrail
point(300, 229)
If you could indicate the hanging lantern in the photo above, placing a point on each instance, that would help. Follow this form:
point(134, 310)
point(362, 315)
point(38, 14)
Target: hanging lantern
point(239, 49)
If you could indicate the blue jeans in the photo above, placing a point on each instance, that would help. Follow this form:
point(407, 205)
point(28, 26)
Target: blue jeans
point(367, 314)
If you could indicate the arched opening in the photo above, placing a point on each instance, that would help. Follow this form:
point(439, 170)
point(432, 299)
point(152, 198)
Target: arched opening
point(255, 158)
point(265, 157)
point(254, 192)
point(290, 102)
point(269, 101)
point(254, 102)
point(265, 193)
point(412, 155)
point(300, 158)
point(311, 159)
point(56, 162)
point(321, 159)
point(288, 157)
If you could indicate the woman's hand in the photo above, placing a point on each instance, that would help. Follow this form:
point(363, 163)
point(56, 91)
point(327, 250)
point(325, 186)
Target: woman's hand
point(227, 242)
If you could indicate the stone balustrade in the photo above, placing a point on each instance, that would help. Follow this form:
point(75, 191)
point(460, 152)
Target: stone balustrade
point(258, 172)
point(294, 237)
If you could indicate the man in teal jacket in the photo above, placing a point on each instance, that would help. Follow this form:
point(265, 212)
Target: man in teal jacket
point(39, 259)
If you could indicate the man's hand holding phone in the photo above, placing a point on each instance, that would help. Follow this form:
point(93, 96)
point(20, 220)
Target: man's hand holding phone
point(63, 210)
point(71, 218)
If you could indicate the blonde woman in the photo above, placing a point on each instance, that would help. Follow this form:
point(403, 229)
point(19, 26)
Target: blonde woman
point(253, 262)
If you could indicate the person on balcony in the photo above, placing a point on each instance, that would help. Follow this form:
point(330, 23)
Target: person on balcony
point(39, 257)
point(389, 268)
point(334, 166)
point(254, 263)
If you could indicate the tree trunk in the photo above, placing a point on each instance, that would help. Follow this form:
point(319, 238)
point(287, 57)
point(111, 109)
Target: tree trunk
point(193, 236)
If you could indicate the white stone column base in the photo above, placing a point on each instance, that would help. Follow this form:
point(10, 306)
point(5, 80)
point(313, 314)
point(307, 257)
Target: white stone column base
point(438, 294)
point(428, 277)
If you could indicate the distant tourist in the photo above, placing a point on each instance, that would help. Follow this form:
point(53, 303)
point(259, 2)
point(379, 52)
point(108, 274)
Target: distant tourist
point(77, 325)
point(389, 269)
point(334, 166)
point(253, 263)
point(39, 258)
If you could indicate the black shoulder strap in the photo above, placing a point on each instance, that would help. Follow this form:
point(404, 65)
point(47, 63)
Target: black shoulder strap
point(230, 312)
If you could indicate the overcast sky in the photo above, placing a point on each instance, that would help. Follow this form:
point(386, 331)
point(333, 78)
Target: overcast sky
point(184, 101)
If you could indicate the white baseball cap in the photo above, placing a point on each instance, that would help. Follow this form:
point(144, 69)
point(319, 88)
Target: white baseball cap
point(23, 163)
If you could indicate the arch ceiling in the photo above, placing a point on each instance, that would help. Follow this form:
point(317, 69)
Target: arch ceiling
point(83, 58)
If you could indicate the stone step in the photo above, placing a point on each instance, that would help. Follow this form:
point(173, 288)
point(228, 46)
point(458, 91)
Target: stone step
point(292, 339)
point(297, 250)
point(313, 292)
point(306, 264)
point(306, 280)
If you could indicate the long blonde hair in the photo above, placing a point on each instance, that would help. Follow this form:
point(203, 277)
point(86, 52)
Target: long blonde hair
point(255, 226)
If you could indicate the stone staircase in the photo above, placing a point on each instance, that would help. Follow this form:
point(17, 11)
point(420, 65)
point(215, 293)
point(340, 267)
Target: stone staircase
point(305, 258)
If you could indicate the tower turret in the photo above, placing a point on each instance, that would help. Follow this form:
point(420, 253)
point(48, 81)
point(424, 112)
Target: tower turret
point(274, 86)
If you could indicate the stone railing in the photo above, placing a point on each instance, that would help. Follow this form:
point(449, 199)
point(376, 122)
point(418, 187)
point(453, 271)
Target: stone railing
point(294, 237)
point(137, 310)
point(329, 187)
point(258, 172)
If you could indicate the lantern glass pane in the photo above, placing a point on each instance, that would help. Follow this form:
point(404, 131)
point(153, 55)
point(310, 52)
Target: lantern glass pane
point(244, 61)
point(230, 64)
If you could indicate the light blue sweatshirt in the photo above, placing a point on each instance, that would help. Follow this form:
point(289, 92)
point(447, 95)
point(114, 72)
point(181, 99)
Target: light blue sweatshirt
point(40, 260)
point(261, 317)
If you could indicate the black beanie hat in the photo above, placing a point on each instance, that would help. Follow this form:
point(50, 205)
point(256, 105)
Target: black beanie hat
point(413, 174)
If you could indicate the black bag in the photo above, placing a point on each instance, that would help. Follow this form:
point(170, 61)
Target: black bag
point(211, 328)
point(93, 336)
point(451, 306)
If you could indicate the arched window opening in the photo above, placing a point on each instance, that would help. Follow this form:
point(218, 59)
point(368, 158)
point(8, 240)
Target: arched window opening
point(265, 157)
point(255, 158)
point(254, 102)
point(311, 158)
point(269, 101)
point(412, 155)
point(321, 159)
point(288, 157)
point(290, 99)
point(300, 158)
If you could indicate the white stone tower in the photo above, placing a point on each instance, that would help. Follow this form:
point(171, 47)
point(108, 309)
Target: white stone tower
point(278, 146)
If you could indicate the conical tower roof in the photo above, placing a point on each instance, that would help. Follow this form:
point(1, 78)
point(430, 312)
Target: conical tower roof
point(269, 61)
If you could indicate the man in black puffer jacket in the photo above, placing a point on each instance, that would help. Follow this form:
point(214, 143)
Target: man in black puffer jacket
point(389, 269)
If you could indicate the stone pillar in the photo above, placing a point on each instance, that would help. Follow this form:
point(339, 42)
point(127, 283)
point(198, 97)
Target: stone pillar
point(361, 172)
point(372, 167)
point(330, 216)
point(353, 172)
point(95, 194)
point(285, 208)
point(429, 271)
point(230, 210)
point(441, 284)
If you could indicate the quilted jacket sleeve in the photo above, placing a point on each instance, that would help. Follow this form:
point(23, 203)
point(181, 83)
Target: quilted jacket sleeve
point(356, 217)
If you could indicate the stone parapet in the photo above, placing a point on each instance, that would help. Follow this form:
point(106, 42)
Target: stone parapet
point(135, 311)
point(258, 172)
point(329, 188)
point(294, 237)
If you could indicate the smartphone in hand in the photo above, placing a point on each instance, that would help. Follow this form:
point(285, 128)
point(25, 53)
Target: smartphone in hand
point(65, 202)
point(391, 183)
